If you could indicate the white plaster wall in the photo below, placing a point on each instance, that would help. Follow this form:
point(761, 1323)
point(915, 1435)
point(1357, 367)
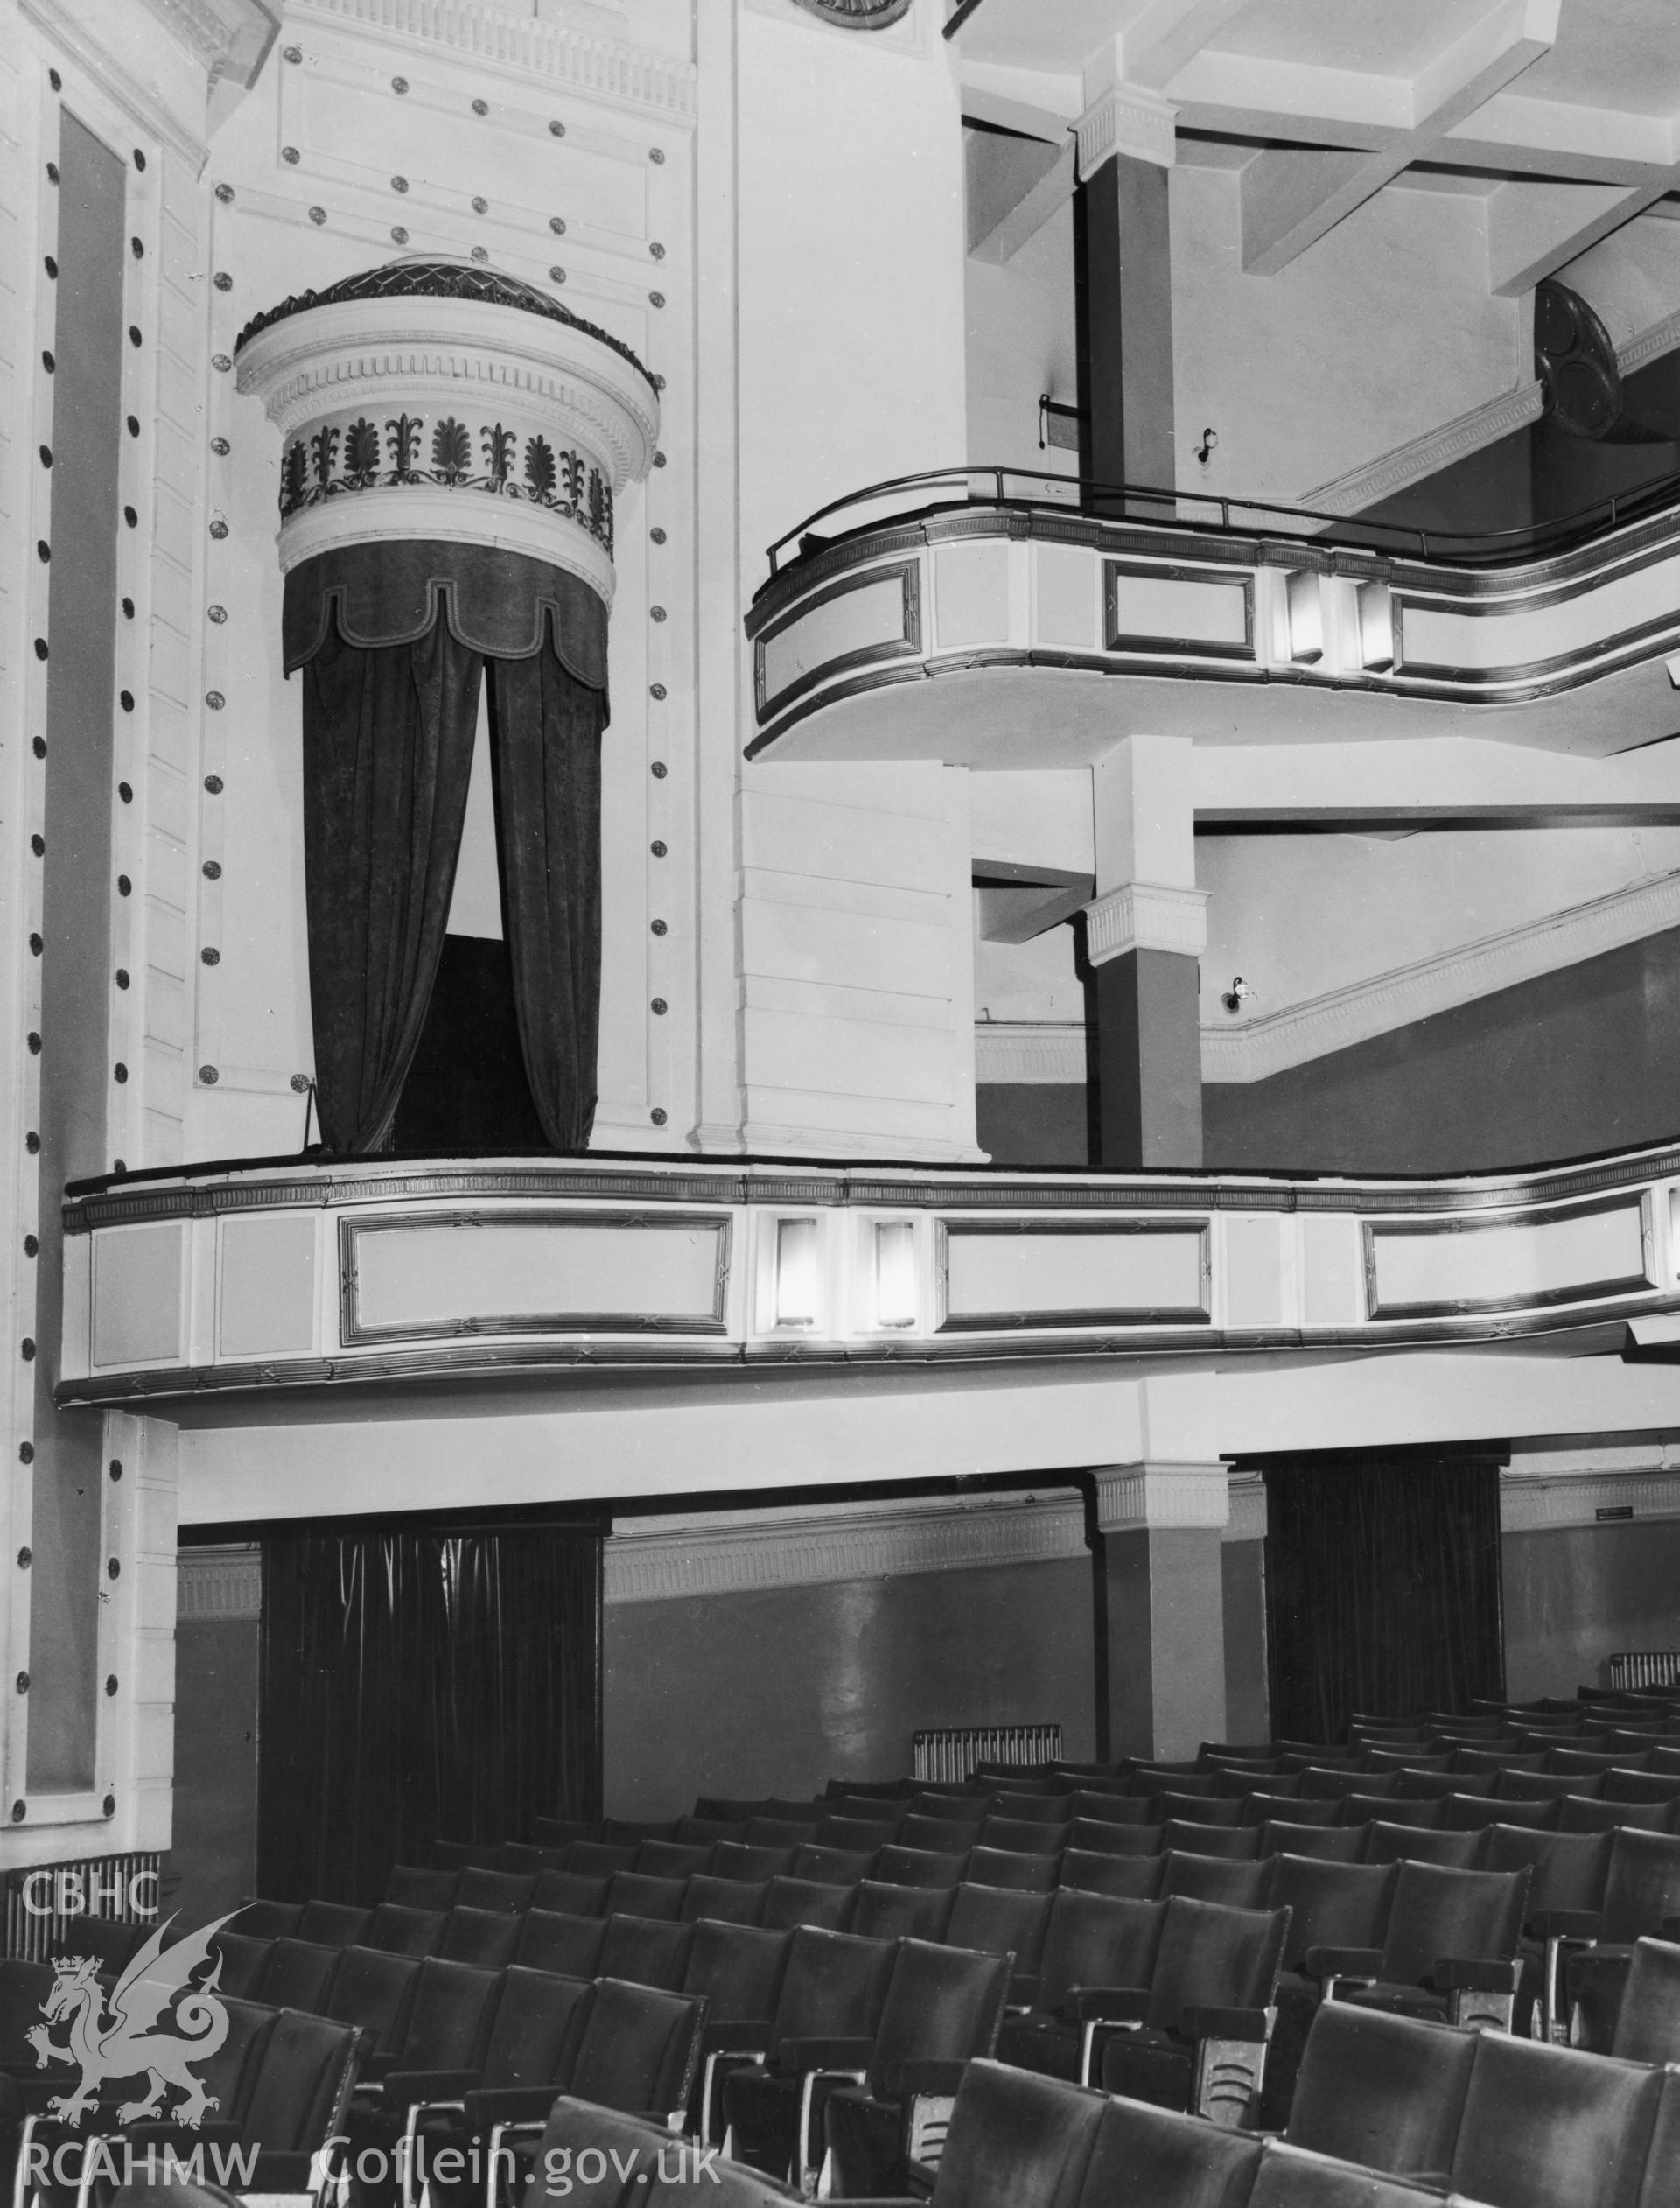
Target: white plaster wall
point(1380, 333)
point(856, 1019)
point(856, 959)
point(1298, 915)
point(850, 263)
point(1021, 346)
point(336, 110)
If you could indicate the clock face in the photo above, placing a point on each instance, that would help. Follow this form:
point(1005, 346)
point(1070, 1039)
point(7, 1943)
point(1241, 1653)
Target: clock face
point(858, 15)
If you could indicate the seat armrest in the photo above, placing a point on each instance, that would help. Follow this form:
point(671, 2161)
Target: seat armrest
point(794, 2057)
point(925, 2076)
point(1252, 2026)
point(1106, 2005)
point(407, 2086)
point(510, 2104)
point(1564, 1923)
point(1474, 1973)
point(280, 2170)
point(1362, 1963)
point(752, 2037)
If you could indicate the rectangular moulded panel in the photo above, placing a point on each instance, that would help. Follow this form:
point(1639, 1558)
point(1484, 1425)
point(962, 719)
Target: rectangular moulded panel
point(1179, 609)
point(1543, 628)
point(851, 624)
point(266, 1286)
point(139, 1295)
point(1054, 1273)
point(971, 595)
point(419, 138)
point(1255, 1269)
point(1331, 1278)
point(435, 1274)
point(1068, 590)
point(1521, 1263)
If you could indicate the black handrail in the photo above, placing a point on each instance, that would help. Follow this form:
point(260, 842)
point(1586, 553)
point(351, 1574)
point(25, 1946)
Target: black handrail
point(1461, 547)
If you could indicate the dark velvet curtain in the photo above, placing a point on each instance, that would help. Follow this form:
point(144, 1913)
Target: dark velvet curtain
point(418, 1684)
point(1383, 1588)
point(387, 750)
point(393, 639)
point(547, 727)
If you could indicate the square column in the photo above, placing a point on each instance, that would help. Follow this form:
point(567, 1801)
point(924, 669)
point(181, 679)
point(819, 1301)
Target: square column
point(1145, 934)
point(1163, 1527)
point(1126, 148)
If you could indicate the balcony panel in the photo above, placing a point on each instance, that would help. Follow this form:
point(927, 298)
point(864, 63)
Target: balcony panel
point(318, 1277)
point(1020, 635)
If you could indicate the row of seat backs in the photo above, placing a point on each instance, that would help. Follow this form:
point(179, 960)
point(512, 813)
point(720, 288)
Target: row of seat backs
point(1513, 2122)
point(606, 2039)
point(282, 2077)
point(1448, 1909)
point(1017, 2140)
point(1068, 1938)
point(650, 1881)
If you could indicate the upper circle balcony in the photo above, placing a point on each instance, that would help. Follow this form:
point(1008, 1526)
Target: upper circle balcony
point(994, 619)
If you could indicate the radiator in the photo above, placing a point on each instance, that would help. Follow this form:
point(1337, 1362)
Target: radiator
point(949, 1752)
point(1645, 1667)
point(37, 1928)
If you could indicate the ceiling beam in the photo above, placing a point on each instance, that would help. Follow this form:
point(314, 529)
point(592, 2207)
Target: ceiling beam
point(1167, 34)
point(1443, 780)
point(1031, 212)
point(1536, 228)
point(1292, 195)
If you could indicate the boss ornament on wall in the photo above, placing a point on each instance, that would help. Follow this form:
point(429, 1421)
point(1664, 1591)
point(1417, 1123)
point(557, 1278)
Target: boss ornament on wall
point(858, 15)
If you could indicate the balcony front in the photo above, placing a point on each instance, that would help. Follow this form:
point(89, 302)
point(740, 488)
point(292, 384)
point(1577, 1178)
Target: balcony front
point(995, 619)
point(324, 1277)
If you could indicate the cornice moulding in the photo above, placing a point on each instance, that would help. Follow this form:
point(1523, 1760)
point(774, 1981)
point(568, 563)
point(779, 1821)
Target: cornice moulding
point(1050, 1055)
point(1141, 916)
point(1133, 1499)
point(1366, 1009)
point(1425, 456)
point(1550, 1504)
point(223, 1584)
point(1126, 118)
point(599, 68)
point(727, 1552)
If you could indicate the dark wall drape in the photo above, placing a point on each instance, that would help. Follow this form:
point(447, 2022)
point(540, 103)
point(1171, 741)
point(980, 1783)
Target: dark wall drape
point(388, 752)
point(393, 640)
point(419, 1684)
point(546, 729)
point(1383, 1588)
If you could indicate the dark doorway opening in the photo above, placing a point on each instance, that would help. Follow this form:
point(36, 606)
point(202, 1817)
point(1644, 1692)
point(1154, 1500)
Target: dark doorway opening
point(466, 1092)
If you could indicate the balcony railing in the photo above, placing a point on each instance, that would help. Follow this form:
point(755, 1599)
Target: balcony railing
point(319, 1277)
point(965, 616)
point(991, 485)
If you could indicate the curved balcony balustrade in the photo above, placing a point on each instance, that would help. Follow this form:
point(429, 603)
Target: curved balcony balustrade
point(316, 1277)
point(992, 619)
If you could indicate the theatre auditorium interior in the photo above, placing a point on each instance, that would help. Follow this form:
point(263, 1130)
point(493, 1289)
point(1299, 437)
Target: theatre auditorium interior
point(840, 1089)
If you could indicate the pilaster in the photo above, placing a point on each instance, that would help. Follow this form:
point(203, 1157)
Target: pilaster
point(1163, 1525)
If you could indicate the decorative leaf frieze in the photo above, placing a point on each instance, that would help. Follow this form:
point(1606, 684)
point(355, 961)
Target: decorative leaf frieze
point(337, 462)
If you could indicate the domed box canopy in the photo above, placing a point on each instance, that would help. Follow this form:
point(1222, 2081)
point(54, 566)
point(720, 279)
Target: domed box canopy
point(436, 399)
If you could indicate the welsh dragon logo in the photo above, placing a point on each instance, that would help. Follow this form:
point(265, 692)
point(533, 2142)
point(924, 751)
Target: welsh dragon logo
point(111, 2035)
